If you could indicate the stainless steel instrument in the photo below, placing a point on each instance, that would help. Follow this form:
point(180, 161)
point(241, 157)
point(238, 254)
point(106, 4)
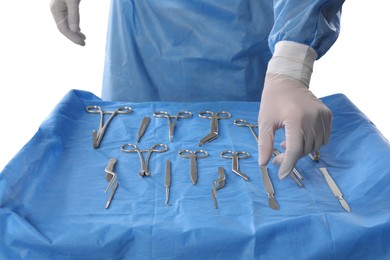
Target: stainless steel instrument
point(193, 155)
point(269, 188)
point(218, 184)
point(111, 178)
point(235, 156)
point(171, 125)
point(214, 124)
point(142, 128)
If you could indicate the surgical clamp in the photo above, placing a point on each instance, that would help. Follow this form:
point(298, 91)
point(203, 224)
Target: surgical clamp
point(98, 135)
point(218, 184)
point(294, 174)
point(111, 177)
point(235, 156)
point(158, 148)
point(193, 155)
point(214, 124)
point(171, 125)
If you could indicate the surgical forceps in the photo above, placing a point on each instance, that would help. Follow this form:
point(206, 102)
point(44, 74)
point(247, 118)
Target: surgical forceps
point(98, 135)
point(171, 125)
point(214, 124)
point(218, 184)
point(294, 174)
point(193, 155)
point(132, 148)
point(235, 156)
point(111, 178)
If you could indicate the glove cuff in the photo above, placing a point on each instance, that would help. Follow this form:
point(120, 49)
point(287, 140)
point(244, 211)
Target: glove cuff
point(293, 59)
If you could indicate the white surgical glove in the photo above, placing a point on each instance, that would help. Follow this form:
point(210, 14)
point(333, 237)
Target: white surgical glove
point(287, 102)
point(67, 17)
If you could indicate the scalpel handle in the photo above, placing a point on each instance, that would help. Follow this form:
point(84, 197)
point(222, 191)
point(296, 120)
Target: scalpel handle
point(167, 181)
point(142, 129)
point(331, 183)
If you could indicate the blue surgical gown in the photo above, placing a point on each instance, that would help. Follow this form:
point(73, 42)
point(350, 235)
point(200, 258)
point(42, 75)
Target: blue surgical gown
point(204, 50)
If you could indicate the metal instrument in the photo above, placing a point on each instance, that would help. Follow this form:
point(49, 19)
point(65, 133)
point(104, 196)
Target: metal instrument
point(167, 181)
point(142, 128)
point(111, 178)
point(132, 148)
point(333, 186)
point(243, 123)
point(294, 174)
point(98, 135)
point(214, 124)
point(193, 155)
point(269, 188)
point(315, 157)
point(171, 125)
point(235, 156)
point(218, 184)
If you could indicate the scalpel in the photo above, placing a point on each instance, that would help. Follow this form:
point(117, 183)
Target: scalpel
point(269, 188)
point(333, 186)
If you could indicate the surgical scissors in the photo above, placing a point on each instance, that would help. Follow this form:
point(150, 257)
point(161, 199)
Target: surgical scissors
point(98, 135)
point(242, 122)
point(214, 124)
point(193, 155)
point(235, 156)
point(132, 148)
point(171, 125)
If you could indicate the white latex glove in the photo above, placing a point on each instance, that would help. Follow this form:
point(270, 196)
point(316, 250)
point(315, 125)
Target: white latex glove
point(287, 102)
point(67, 17)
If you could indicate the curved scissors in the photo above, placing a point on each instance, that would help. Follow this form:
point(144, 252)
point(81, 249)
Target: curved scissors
point(214, 124)
point(242, 122)
point(235, 156)
point(193, 155)
point(171, 125)
point(132, 148)
point(97, 136)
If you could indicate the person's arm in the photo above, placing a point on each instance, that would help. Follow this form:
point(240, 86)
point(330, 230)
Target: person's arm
point(303, 31)
point(67, 17)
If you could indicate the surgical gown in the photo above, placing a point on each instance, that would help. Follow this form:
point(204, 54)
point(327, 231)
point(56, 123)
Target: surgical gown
point(204, 50)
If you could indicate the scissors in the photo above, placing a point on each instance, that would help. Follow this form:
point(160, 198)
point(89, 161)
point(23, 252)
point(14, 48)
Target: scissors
point(193, 155)
point(132, 148)
point(244, 123)
point(111, 178)
point(235, 156)
point(98, 135)
point(214, 124)
point(171, 125)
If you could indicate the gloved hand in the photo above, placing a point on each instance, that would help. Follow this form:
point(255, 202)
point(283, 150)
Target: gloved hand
point(287, 102)
point(67, 17)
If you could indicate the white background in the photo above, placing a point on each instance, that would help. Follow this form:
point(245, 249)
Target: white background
point(38, 65)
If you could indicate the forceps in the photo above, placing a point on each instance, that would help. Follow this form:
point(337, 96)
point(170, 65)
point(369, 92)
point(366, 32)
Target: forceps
point(98, 135)
point(218, 184)
point(235, 156)
point(171, 125)
point(214, 124)
point(132, 148)
point(111, 178)
point(193, 155)
point(294, 174)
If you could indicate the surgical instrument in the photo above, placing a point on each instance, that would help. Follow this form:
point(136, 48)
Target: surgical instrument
point(315, 157)
point(269, 188)
point(335, 190)
point(111, 177)
point(98, 135)
point(193, 155)
point(294, 174)
point(218, 184)
point(243, 123)
point(214, 124)
point(171, 125)
point(235, 156)
point(167, 181)
point(132, 148)
point(142, 128)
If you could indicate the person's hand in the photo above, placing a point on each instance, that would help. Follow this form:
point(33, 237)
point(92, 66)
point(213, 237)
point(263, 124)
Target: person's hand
point(67, 17)
point(287, 102)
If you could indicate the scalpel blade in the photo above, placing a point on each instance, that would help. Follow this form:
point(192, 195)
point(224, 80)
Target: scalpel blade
point(269, 188)
point(142, 128)
point(333, 187)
